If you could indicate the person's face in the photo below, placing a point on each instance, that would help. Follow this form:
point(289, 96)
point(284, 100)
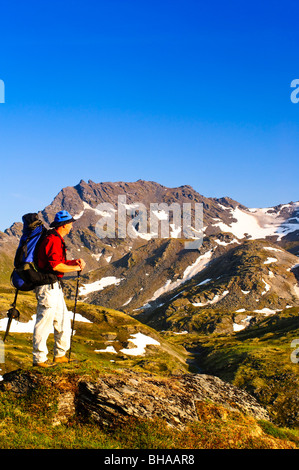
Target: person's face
point(68, 227)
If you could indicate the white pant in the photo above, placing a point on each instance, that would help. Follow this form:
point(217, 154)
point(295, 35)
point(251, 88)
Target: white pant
point(51, 312)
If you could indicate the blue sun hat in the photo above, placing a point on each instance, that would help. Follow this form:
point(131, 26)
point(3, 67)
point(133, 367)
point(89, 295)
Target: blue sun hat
point(62, 218)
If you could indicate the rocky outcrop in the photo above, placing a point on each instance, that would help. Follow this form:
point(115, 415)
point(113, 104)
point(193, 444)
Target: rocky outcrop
point(115, 397)
point(112, 398)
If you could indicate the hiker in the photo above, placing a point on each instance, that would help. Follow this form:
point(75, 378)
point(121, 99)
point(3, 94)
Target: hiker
point(51, 307)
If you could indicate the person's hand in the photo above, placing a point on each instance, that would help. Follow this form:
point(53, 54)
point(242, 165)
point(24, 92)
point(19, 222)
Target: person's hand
point(81, 263)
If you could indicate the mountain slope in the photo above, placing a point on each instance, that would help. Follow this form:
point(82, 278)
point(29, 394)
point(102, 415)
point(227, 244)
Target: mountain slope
point(236, 288)
point(101, 335)
point(233, 277)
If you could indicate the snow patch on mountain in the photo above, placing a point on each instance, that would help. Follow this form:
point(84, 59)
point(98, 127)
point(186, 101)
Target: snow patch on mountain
point(244, 323)
point(260, 223)
point(200, 263)
point(140, 341)
point(206, 281)
point(296, 290)
point(98, 285)
point(227, 243)
point(108, 349)
point(267, 287)
point(271, 248)
point(216, 299)
point(28, 327)
point(266, 311)
point(270, 260)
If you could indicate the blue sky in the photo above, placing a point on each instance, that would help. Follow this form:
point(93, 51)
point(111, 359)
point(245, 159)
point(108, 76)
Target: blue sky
point(178, 92)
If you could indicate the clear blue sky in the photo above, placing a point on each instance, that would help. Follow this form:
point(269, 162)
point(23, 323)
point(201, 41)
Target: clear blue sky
point(178, 92)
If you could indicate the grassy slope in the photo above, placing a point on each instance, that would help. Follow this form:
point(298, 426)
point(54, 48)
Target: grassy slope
point(249, 359)
point(26, 423)
point(89, 337)
point(6, 263)
point(256, 359)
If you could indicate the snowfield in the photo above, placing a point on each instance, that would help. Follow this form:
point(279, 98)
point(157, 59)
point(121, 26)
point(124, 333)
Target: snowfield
point(245, 323)
point(139, 339)
point(259, 223)
point(270, 260)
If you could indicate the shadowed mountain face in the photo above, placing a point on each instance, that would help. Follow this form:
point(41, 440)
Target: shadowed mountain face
point(245, 261)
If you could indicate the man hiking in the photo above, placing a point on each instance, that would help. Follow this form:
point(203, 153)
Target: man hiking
point(51, 308)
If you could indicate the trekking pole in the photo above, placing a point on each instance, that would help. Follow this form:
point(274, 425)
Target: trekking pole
point(13, 312)
point(77, 288)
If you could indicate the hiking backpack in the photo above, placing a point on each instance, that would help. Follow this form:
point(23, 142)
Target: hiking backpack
point(26, 276)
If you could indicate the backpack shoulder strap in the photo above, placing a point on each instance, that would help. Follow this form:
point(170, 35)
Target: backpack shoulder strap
point(43, 235)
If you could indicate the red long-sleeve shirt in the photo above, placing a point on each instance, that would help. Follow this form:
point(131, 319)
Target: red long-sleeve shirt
point(52, 251)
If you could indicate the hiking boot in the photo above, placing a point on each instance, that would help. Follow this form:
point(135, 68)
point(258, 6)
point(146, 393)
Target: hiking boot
point(42, 364)
point(61, 360)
